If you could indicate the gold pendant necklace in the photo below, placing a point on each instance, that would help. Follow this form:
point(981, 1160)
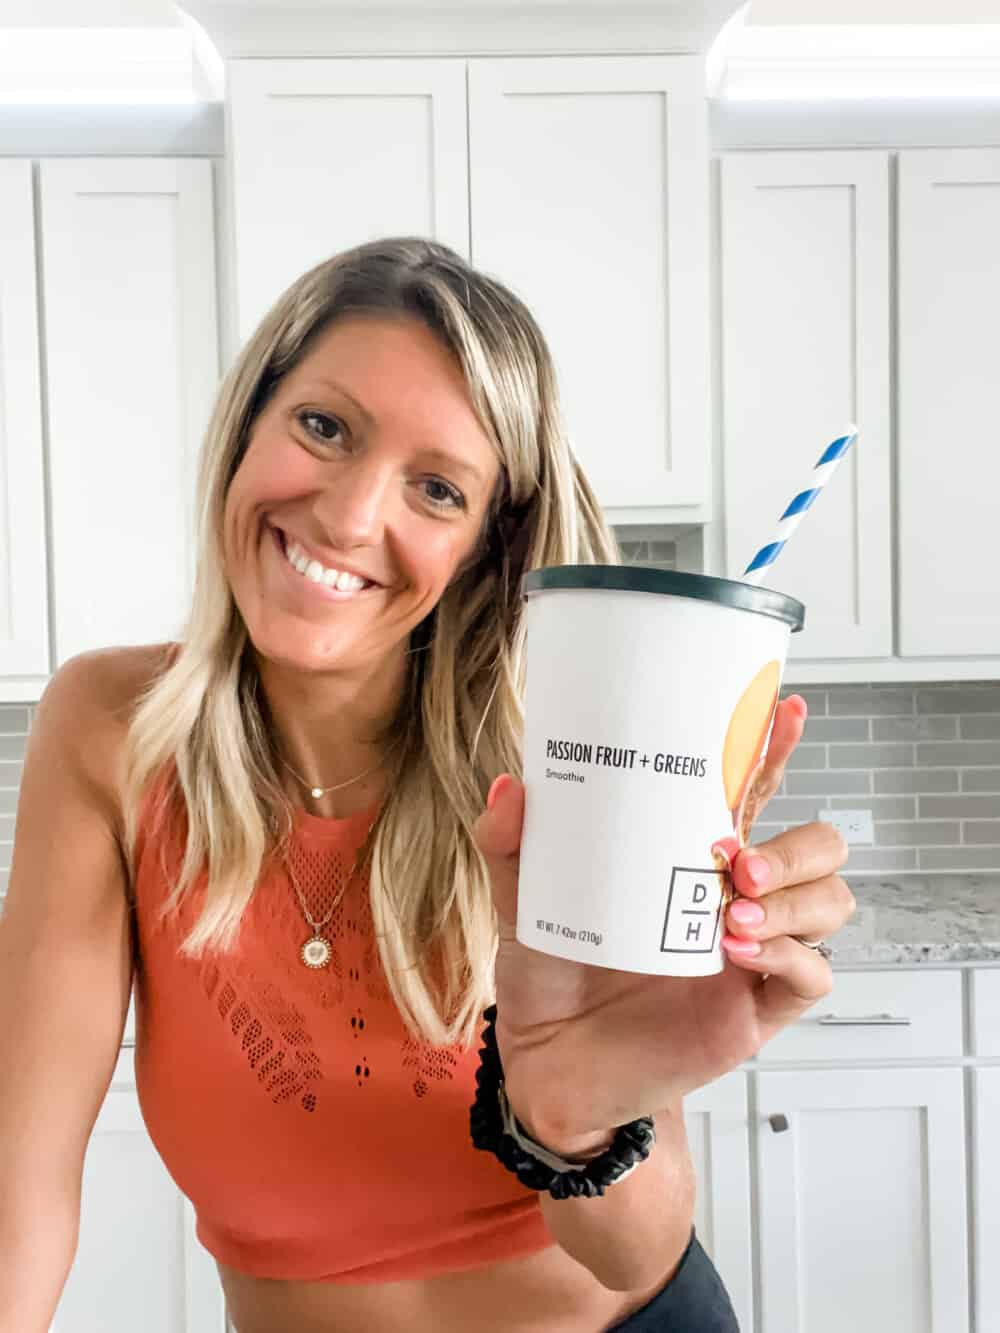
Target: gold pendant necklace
point(317, 950)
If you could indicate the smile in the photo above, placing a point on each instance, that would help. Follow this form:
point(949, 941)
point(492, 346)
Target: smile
point(335, 584)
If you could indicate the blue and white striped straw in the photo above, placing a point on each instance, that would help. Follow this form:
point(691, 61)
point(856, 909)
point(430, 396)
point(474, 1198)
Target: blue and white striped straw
point(792, 517)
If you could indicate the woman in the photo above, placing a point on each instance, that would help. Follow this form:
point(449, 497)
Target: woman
point(316, 799)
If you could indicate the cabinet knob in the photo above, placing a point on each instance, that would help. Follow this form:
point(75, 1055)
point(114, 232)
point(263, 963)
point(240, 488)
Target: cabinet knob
point(779, 1123)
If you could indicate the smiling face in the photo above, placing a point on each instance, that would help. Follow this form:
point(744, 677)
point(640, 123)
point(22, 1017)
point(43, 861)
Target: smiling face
point(370, 460)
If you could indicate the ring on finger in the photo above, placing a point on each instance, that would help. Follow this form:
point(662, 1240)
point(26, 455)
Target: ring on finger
point(821, 947)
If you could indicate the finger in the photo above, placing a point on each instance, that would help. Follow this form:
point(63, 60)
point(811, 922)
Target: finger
point(798, 856)
point(789, 724)
point(789, 721)
point(796, 978)
point(813, 911)
point(497, 833)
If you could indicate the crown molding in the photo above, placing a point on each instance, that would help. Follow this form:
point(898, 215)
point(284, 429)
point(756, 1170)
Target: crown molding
point(311, 28)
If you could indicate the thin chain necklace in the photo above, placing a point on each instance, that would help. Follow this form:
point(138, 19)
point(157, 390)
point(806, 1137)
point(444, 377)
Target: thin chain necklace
point(317, 950)
point(317, 792)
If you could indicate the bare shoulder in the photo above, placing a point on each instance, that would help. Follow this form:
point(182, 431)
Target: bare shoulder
point(94, 695)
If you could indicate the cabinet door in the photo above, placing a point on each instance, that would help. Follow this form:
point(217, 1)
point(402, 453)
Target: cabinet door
point(138, 1264)
point(986, 1196)
point(132, 365)
point(326, 154)
point(718, 1135)
point(24, 635)
point(805, 325)
point(949, 401)
point(589, 198)
point(863, 1201)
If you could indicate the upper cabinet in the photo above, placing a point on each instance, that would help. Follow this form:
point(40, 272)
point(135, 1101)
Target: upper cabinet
point(325, 154)
point(580, 182)
point(949, 402)
point(895, 563)
point(24, 632)
point(132, 365)
point(805, 351)
point(590, 198)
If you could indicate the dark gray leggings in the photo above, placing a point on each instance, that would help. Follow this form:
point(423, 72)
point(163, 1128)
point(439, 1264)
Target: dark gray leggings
point(693, 1301)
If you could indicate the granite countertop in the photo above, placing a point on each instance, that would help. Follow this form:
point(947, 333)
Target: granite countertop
point(921, 919)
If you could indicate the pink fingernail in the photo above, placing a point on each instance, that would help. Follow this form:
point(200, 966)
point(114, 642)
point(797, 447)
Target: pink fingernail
point(747, 914)
point(746, 948)
point(758, 870)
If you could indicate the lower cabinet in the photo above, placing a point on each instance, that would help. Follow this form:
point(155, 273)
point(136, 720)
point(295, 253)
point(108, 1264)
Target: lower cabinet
point(986, 1197)
point(138, 1264)
point(862, 1220)
point(716, 1121)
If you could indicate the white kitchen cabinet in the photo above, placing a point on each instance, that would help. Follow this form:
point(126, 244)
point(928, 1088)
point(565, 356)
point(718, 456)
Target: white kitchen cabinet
point(138, 1264)
point(715, 1118)
point(949, 401)
point(984, 1031)
point(863, 1201)
point(24, 635)
point(132, 368)
point(805, 351)
point(326, 154)
point(579, 182)
point(986, 1196)
point(589, 190)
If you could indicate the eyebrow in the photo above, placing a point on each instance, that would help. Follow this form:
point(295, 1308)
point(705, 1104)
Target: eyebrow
point(442, 455)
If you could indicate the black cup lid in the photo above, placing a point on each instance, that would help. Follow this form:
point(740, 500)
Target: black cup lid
point(637, 578)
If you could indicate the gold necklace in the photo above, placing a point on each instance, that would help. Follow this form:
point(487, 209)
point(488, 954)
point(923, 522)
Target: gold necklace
point(317, 792)
point(317, 950)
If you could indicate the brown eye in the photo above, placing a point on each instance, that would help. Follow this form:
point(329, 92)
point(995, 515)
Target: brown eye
point(447, 495)
point(328, 426)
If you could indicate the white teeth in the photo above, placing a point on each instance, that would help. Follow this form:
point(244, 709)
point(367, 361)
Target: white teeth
point(316, 573)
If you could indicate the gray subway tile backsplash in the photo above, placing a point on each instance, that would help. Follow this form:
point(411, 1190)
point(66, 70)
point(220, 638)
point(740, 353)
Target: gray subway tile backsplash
point(930, 775)
point(980, 727)
point(913, 728)
point(827, 783)
point(916, 780)
point(887, 755)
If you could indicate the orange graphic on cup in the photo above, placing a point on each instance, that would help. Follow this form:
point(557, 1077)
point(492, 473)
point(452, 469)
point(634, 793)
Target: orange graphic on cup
point(744, 743)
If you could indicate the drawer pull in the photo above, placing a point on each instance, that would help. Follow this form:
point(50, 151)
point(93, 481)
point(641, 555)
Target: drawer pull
point(779, 1123)
point(868, 1021)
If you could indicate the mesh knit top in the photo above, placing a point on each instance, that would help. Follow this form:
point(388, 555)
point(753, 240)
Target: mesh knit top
point(316, 1139)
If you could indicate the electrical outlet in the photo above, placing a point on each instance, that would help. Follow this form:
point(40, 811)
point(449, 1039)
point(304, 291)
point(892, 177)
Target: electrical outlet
point(853, 825)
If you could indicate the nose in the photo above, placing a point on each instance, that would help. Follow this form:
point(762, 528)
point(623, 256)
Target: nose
point(354, 505)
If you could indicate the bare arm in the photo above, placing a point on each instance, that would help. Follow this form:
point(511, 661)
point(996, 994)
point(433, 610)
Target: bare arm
point(633, 1236)
point(65, 978)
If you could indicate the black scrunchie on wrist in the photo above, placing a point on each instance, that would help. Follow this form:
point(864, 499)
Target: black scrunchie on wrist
point(632, 1143)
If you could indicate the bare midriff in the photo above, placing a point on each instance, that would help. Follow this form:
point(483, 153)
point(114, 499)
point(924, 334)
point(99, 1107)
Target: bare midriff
point(546, 1292)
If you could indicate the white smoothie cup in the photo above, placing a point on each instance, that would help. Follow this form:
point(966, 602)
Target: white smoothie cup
point(649, 701)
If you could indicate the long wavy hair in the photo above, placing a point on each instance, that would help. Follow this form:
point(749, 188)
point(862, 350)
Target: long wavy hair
point(203, 723)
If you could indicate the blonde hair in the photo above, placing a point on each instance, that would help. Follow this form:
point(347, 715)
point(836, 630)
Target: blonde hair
point(202, 722)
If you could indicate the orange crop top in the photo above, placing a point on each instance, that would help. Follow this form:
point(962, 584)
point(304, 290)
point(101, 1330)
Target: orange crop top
point(316, 1139)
